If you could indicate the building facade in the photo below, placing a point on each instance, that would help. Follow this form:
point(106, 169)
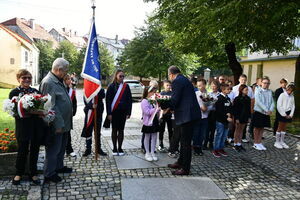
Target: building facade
point(16, 53)
point(275, 66)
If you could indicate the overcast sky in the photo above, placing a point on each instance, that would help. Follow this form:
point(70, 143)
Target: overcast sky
point(112, 16)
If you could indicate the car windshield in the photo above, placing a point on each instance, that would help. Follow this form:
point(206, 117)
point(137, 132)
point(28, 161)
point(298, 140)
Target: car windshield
point(133, 83)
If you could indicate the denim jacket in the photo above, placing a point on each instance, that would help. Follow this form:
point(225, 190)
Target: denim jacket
point(263, 101)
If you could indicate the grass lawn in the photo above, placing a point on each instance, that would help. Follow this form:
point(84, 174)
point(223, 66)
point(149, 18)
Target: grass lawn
point(6, 121)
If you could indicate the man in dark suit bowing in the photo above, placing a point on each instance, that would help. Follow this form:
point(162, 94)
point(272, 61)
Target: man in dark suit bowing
point(187, 112)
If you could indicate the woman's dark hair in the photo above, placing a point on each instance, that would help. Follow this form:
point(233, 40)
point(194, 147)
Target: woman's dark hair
point(22, 72)
point(146, 91)
point(241, 88)
point(116, 74)
point(283, 80)
point(216, 83)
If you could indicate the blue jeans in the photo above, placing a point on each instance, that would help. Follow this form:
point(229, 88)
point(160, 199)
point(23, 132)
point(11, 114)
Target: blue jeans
point(200, 130)
point(220, 137)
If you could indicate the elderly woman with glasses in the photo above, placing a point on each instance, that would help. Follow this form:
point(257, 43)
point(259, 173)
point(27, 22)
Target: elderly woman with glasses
point(28, 132)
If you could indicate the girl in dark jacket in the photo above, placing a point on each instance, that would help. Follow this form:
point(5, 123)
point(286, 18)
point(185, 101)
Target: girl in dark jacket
point(242, 114)
point(29, 132)
point(118, 108)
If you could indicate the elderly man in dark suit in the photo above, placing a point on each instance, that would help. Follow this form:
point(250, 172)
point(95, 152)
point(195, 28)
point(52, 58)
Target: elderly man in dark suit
point(187, 112)
point(61, 103)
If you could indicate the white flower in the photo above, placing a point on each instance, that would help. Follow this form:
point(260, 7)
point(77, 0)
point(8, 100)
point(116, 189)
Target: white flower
point(8, 106)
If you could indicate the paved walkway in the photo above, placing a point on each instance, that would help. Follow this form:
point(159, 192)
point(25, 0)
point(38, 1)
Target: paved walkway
point(271, 174)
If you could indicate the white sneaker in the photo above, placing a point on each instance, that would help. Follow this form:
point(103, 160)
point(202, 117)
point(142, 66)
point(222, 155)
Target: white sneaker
point(73, 154)
point(278, 145)
point(284, 145)
point(257, 147)
point(245, 140)
point(148, 157)
point(154, 157)
point(262, 147)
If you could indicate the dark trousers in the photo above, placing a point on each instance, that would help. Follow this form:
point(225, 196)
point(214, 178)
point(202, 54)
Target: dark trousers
point(200, 129)
point(24, 147)
point(251, 127)
point(55, 152)
point(69, 148)
point(175, 139)
point(162, 124)
point(90, 130)
point(210, 134)
point(186, 135)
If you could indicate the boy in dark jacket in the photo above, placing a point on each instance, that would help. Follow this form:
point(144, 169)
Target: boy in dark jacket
point(223, 116)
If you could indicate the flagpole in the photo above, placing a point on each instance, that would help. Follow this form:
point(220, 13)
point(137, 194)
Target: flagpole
point(95, 103)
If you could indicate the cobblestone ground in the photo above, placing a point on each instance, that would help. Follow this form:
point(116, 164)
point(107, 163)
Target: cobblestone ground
point(271, 174)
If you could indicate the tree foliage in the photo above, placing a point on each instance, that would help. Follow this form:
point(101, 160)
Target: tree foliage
point(207, 27)
point(69, 52)
point(106, 61)
point(147, 55)
point(45, 57)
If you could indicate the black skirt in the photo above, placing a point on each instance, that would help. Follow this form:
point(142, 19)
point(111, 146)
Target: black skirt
point(151, 129)
point(118, 119)
point(283, 119)
point(261, 120)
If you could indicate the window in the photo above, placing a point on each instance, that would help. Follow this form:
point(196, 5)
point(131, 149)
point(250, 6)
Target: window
point(249, 74)
point(259, 73)
point(12, 61)
point(26, 56)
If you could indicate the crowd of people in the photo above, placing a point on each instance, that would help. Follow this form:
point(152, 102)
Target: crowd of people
point(193, 124)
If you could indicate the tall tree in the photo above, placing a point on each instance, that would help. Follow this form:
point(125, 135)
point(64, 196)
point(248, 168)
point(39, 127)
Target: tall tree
point(204, 27)
point(67, 50)
point(45, 57)
point(106, 61)
point(147, 55)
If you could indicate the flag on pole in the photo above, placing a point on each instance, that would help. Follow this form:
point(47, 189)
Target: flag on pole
point(91, 71)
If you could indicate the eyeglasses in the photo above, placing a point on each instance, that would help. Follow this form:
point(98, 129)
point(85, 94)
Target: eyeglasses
point(26, 77)
point(121, 76)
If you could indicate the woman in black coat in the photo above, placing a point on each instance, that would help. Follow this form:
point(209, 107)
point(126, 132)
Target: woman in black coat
point(29, 132)
point(118, 109)
point(242, 115)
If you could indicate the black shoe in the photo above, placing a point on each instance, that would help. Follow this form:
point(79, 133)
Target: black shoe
point(54, 178)
point(236, 148)
point(102, 153)
point(35, 182)
point(18, 182)
point(64, 170)
point(87, 152)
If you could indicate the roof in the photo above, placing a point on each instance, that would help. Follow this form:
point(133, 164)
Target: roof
point(270, 58)
point(22, 27)
point(120, 44)
point(19, 38)
point(78, 41)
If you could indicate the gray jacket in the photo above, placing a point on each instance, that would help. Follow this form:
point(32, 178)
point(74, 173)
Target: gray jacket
point(61, 102)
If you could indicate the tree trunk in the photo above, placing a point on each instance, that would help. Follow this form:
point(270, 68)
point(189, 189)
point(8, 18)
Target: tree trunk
point(234, 65)
point(297, 92)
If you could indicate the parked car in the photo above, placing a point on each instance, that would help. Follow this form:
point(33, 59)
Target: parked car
point(136, 87)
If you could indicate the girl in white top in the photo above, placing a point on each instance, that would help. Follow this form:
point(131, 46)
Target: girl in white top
point(286, 108)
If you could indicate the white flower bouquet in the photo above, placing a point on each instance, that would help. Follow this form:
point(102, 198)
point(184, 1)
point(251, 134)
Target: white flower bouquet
point(207, 99)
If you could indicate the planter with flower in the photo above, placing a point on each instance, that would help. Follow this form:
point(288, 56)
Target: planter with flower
point(8, 148)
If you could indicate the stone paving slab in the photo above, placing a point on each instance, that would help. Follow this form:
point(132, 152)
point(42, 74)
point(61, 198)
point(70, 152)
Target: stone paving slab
point(191, 188)
point(138, 161)
point(128, 144)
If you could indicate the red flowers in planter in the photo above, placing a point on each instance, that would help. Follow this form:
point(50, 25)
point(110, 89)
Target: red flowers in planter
point(8, 141)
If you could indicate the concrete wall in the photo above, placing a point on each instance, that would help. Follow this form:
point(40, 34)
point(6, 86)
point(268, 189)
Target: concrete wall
point(275, 69)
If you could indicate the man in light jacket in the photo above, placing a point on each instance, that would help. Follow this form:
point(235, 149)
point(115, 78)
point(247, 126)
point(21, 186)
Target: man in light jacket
point(53, 85)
